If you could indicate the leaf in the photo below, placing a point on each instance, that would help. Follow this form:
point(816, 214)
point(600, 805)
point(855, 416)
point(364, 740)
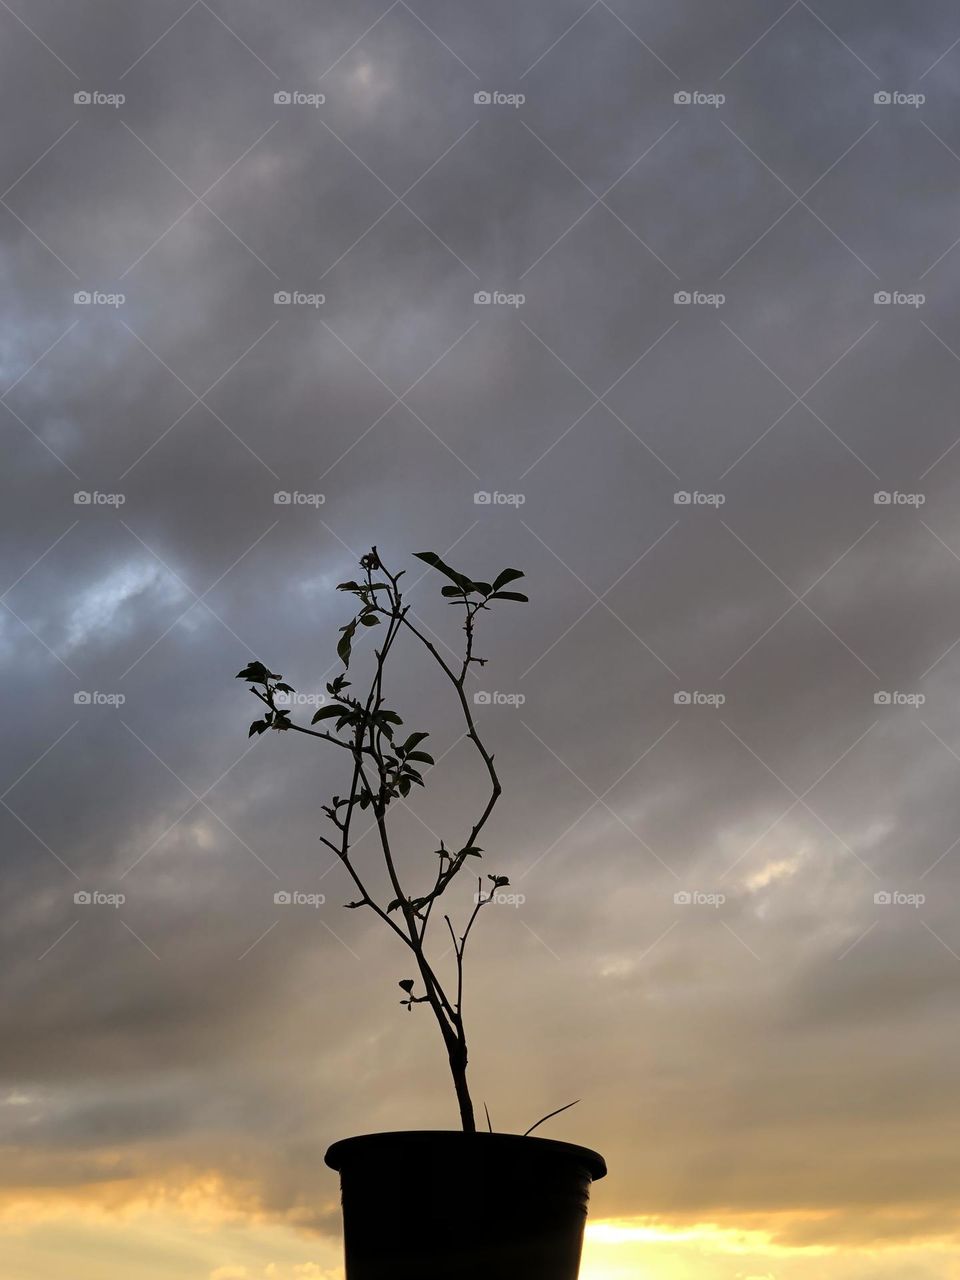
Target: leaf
point(471, 851)
point(421, 756)
point(413, 741)
point(395, 905)
point(345, 642)
point(508, 575)
point(452, 591)
point(431, 558)
point(406, 984)
point(404, 786)
point(257, 673)
point(286, 688)
point(510, 595)
point(348, 586)
point(483, 587)
point(327, 713)
point(258, 726)
point(391, 716)
point(369, 620)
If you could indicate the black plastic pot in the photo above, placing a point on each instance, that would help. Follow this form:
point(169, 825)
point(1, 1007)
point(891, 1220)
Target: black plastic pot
point(438, 1205)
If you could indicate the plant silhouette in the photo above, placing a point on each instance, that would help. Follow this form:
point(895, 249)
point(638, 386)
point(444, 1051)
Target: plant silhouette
point(383, 769)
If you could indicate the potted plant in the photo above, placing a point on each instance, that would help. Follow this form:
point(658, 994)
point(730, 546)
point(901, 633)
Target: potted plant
point(431, 1205)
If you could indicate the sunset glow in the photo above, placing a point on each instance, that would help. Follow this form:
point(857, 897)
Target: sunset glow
point(205, 1241)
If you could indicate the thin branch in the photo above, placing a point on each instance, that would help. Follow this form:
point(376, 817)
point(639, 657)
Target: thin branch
point(550, 1115)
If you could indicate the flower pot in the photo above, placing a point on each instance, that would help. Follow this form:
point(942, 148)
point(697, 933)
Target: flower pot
point(438, 1205)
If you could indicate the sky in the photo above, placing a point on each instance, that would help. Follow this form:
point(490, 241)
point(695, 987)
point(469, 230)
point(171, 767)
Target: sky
point(657, 303)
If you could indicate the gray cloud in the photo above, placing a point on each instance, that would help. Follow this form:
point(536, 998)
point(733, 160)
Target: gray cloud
point(720, 1052)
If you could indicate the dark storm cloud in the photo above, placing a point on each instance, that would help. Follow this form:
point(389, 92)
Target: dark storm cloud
point(719, 1038)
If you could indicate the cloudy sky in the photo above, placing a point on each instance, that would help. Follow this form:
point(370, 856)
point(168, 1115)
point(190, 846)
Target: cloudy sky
point(712, 405)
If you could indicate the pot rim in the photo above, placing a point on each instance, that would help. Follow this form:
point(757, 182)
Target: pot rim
point(594, 1163)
